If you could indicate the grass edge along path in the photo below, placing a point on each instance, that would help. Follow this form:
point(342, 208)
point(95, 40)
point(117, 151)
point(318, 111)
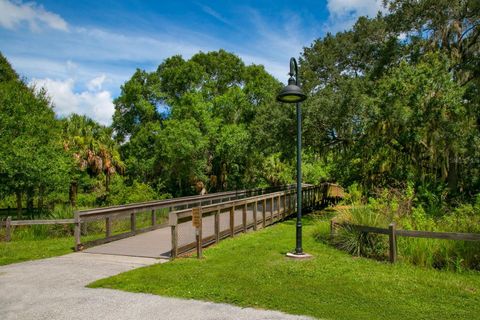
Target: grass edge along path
point(252, 271)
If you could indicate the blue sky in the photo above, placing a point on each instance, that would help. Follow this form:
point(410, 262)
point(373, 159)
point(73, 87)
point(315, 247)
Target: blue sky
point(82, 51)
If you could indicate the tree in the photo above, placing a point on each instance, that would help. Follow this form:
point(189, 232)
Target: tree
point(31, 157)
point(93, 150)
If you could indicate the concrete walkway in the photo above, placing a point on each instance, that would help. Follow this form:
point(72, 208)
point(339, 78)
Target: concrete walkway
point(54, 288)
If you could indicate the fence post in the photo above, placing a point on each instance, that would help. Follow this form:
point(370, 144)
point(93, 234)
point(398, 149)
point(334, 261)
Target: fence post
point(284, 212)
point(232, 221)
point(154, 218)
point(255, 221)
point(108, 226)
point(199, 235)
point(217, 226)
point(172, 220)
point(133, 220)
point(264, 212)
point(393, 242)
point(76, 231)
point(244, 217)
point(278, 208)
point(271, 210)
point(8, 229)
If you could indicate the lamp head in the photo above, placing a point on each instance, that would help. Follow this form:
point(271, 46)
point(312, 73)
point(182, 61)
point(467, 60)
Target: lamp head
point(291, 93)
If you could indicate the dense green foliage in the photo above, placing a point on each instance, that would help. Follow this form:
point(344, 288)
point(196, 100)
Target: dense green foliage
point(196, 124)
point(332, 285)
point(393, 104)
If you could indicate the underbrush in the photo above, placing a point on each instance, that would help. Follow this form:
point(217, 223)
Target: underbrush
point(400, 207)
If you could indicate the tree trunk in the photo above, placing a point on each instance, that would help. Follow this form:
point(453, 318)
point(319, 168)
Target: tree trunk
point(73, 194)
point(30, 195)
point(41, 191)
point(19, 204)
point(453, 173)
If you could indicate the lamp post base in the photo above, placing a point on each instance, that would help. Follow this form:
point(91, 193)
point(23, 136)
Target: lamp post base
point(301, 256)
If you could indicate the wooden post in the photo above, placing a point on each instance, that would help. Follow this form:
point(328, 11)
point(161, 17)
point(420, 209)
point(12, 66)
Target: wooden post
point(284, 212)
point(76, 231)
point(199, 235)
point(217, 226)
point(154, 217)
point(255, 221)
point(8, 229)
point(232, 221)
point(393, 242)
point(271, 210)
point(108, 227)
point(278, 207)
point(173, 221)
point(133, 222)
point(264, 212)
point(244, 217)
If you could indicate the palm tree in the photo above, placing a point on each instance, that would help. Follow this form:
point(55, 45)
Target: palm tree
point(93, 150)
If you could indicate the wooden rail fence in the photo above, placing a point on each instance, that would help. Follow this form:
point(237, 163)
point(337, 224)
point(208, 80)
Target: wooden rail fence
point(393, 233)
point(108, 214)
point(313, 196)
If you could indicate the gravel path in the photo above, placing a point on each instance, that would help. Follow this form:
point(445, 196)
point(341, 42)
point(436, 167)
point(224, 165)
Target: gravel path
point(54, 288)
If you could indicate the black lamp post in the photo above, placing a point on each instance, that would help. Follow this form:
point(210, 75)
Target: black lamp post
point(292, 93)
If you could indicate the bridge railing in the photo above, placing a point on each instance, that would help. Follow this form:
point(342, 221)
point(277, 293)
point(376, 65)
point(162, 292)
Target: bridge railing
point(266, 209)
point(109, 214)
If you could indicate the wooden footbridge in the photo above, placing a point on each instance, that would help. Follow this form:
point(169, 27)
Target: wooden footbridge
point(164, 228)
point(170, 231)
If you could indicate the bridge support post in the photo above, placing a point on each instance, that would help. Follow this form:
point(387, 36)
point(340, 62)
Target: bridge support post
point(264, 212)
point(173, 221)
point(217, 226)
point(255, 218)
point(77, 231)
point(244, 218)
point(133, 222)
point(108, 227)
point(154, 217)
point(232, 221)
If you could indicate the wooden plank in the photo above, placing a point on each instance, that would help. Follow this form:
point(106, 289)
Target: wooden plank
point(124, 235)
point(439, 235)
point(364, 228)
point(41, 222)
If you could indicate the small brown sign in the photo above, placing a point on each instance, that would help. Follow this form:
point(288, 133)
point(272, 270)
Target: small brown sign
point(196, 217)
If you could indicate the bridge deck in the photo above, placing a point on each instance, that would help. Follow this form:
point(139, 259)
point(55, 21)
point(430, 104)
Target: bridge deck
point(157, 243)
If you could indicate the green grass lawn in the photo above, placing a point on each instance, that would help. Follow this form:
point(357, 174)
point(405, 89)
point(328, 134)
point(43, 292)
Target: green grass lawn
point(252, 271)
point(23, 250)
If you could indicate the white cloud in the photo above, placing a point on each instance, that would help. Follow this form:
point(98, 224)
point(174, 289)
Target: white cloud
point(344, 13)
point(96, 83)
point(96, 104)
point(13, 14)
